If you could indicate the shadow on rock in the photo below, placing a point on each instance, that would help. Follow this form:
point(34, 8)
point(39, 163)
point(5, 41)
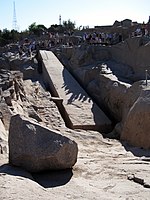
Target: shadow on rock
point(51, 179)
point(136, 151)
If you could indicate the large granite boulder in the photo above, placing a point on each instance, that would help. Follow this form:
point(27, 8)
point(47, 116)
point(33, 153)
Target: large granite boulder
point(136, 127)
point(36, 148)
point(109, 92)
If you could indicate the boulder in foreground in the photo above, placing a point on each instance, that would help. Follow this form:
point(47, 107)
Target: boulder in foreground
point(36, 148)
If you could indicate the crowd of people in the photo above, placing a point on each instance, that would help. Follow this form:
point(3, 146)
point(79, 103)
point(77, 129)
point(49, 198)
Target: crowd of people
point(28, 46)
point(52, 40)
point(55, 39)
point(102, 38)
point(143, 30)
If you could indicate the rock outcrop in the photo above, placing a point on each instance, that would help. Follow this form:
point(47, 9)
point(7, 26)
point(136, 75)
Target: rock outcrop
point(135, 53)
point(37, 148)
point(115, 77)
point(87, 55)
point(136, 127)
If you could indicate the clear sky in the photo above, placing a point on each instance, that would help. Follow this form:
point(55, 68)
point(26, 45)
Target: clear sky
point(82, 12)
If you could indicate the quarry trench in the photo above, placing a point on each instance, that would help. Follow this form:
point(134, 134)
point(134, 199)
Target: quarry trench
point(76, 107)
point(114, 77)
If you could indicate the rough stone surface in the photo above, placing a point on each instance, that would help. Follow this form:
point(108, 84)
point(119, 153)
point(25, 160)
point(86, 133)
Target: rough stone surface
point(5, 114)
point(36, 148)
point(135, 53)
point(86, 55)
point(3, 132)
point(109, 92)
point(136, 127)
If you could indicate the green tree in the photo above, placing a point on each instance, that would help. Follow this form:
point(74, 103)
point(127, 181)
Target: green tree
point(14, 35)
point(56, 28)
point(37, 29)
point(24, 34)
point(69, 25)
point(33, 28)
point(7, 36)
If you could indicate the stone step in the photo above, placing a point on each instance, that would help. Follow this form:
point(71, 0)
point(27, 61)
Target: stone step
point(76, 107)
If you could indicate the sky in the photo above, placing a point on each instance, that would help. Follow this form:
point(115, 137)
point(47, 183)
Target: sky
point(83, 12)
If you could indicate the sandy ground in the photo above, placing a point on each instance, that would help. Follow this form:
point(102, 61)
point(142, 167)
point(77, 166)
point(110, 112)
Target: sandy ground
point(101, 171)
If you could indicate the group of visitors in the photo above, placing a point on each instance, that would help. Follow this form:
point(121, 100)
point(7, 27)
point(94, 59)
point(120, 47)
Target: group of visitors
point(143, 30)
point(52, 39)
point(102, 38)
point(26, 49)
